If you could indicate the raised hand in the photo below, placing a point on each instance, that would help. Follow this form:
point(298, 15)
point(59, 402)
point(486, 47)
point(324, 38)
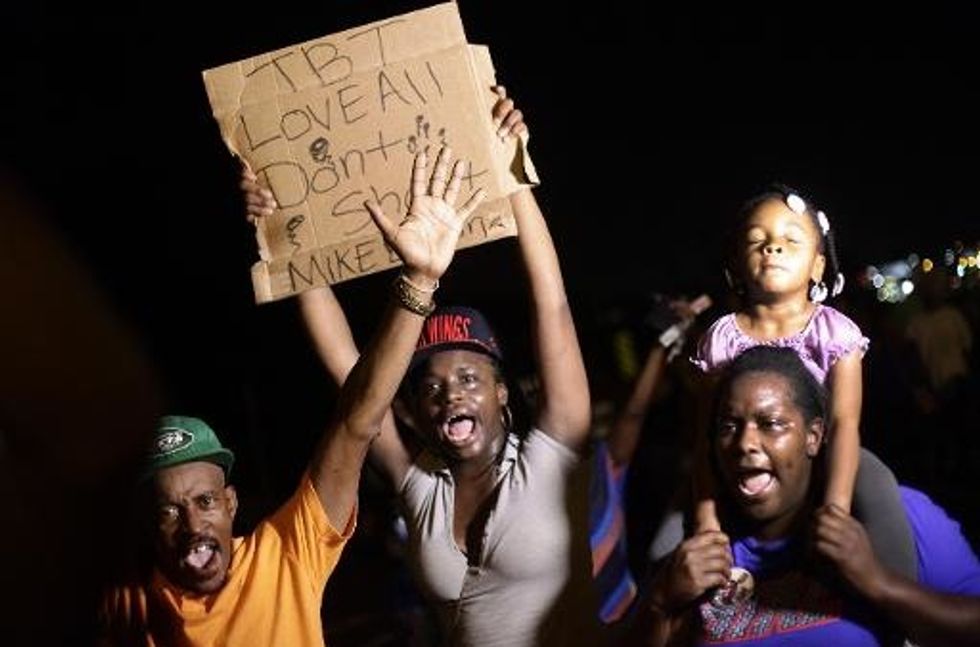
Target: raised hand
point(426, 238)
point(259, 201)
point(508, 120)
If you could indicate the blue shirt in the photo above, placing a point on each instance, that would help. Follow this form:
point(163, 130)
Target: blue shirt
point(791, 606)
point(607, 537)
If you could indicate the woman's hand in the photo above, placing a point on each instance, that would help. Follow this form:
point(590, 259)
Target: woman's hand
point(702, 562)
point(843, 540)
point(259, 201)
point(425, 240)
point(507, 119)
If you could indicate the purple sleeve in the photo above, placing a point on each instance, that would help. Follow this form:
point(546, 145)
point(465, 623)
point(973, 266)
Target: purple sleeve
point(947, 563)
point(842, 335)
point(714, 347)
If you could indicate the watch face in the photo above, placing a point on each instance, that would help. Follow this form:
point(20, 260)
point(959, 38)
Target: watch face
point(738, 589)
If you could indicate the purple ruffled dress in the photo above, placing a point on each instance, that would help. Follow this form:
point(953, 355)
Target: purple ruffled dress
point(827, 337)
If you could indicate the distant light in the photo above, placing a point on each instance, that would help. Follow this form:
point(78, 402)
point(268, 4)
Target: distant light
point(927, 265)
point(889, 292)
point(961, 262)
point(913, 260)
point(907, 287)
point(960, 270)
point(896, 269)
point(878, 281)
point(949, 257)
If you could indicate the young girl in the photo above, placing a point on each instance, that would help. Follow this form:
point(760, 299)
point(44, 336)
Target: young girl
point(778, 268)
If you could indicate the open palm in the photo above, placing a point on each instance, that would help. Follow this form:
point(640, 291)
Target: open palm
point(426, 239)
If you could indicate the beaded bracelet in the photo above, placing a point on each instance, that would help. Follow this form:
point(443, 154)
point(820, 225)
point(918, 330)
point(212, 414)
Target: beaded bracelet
point(409, 298)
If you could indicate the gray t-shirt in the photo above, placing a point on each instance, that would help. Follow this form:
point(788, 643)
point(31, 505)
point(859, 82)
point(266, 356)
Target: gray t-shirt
point(520, 593)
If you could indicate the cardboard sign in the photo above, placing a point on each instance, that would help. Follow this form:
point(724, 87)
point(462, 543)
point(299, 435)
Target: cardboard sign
point(332, 122)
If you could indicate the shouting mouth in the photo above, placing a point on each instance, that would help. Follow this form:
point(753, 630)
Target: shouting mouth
point(459, 429)
point(755, 483)
point(201, 557)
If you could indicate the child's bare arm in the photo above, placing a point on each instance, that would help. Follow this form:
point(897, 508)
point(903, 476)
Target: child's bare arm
point(845, 440)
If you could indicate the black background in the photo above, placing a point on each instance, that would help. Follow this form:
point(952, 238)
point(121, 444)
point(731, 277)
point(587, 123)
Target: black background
point(650, 126)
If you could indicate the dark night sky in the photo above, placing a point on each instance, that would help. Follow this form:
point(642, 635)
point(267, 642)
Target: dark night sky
point(650, 127)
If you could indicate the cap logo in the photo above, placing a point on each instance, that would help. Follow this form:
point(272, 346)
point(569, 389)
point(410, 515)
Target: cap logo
point(173, 440)
point(442, 329)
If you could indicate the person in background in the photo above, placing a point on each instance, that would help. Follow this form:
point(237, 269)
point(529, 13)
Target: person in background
point(613, 454)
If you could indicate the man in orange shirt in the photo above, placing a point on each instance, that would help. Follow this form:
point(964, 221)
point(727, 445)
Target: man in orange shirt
point(209, 589)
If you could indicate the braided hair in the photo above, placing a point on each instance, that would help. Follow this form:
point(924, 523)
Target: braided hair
point(797, 203)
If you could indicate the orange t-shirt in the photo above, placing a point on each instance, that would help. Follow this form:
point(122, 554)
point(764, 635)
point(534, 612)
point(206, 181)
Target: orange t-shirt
point(272, 595)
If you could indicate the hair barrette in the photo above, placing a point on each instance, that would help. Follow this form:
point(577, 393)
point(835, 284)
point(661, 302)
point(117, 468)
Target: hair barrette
point(823, 222)
point(796, 203)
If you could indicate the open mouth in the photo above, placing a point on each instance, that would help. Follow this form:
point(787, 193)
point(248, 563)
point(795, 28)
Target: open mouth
point(458, 429)
point(753, 483)
point(200, 556)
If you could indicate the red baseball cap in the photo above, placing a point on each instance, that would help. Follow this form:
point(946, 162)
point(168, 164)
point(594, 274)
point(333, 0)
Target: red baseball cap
point(456, 327)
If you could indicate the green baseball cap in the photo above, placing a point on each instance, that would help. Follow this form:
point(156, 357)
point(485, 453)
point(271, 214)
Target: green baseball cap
point(183, 439)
